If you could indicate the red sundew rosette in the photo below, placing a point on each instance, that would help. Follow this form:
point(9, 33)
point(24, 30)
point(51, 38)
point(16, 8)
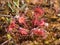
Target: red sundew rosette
point(39, 22)
point(22, 20)
point(38, 12)
point(39, 32)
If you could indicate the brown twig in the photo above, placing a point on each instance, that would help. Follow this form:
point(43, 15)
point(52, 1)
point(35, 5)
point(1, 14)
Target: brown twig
point(5, 42)
point(1, 15)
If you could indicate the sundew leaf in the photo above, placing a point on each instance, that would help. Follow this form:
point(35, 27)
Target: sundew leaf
point(9, 5)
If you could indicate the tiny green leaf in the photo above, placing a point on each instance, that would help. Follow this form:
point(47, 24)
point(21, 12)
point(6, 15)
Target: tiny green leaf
point(9, 5)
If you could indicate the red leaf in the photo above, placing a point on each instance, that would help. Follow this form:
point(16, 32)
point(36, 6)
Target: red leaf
point(39, 10)
point(35, 22)
point(21, 19)
point(42, 22)
point(38, 32)
point(12, 25)
point(23, 31)
point(37, 14)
